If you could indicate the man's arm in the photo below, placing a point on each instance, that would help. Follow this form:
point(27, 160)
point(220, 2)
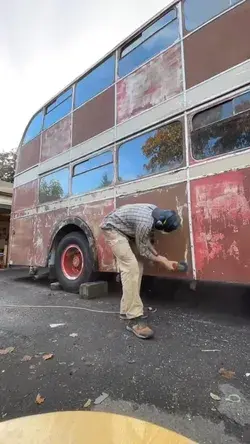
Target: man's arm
point(146, 249)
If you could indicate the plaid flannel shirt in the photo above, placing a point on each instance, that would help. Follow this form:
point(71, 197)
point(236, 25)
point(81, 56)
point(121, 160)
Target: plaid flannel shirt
point(136, 222)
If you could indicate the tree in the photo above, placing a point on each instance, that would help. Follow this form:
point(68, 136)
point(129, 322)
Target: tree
point(165, 148)
point(7, 165)
point(105, 181)
point(50, 191)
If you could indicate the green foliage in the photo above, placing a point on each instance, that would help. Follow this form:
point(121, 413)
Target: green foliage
point(7, 165)
point(50, 191)
point(165, 149)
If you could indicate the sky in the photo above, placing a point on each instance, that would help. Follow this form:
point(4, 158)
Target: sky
point(46, 44)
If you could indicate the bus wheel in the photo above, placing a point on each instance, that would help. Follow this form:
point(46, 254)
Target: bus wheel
point(73, 262)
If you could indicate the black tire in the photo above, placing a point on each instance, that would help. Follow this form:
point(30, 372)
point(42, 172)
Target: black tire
point(74, 238)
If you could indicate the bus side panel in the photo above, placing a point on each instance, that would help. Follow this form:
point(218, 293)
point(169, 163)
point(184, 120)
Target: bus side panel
point(218, 46)
point(221, 226)
point(22, 247)
point(176, 246)
point(150, 85)
point(56, 139)
point(93, 213)
point(44, 228)
point(28, 155)
point(24, 197)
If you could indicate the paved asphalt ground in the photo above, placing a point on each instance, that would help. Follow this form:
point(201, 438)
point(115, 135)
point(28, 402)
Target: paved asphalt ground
point(167, 380)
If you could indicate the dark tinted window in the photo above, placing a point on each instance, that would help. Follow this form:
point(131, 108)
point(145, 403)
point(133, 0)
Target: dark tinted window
point(222, 128)
point(198, 12)
point(154, 152)
point(242, 103)
point(222, 137)
point(34, 127)
point(149, 43)
point(54, 186)
point(95, 82)
point(212, 115)
point(58, 109)
point(93, 174)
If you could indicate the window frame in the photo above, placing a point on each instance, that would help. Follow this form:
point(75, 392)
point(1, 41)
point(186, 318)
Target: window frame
point(48, 173)
point(188, 33)
point(111, 55)
point(231, 96)
point(42, 110)
point(90, 156)
point(179, 118)
point(140, 32)
point(70, 88)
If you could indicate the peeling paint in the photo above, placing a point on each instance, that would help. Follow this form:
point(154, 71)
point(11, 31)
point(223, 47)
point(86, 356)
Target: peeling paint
point(56, 139)
point(153, 83)
point(24, 197)
point(176, 246)
point(221, 224)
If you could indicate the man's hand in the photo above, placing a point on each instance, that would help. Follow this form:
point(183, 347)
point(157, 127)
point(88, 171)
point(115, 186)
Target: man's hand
point(169, 265)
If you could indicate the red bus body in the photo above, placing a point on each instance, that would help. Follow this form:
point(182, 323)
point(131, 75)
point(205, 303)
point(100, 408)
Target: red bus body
point(201, 81)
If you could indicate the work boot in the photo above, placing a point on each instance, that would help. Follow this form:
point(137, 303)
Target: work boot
point(140, 328)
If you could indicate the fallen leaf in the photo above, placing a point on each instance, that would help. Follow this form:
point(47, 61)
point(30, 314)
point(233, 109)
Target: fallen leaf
point(26, 358)
point(87, 404)
point(228, 374)
point(215, 397)
point(39, 399)
point(48, 356)
point(7, 350)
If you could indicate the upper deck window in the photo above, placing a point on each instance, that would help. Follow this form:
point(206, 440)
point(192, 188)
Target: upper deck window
point(96, 81)
point(198, 12)
point(57, 109)
point(34, 128)
point(222, 129)
point(155, 38)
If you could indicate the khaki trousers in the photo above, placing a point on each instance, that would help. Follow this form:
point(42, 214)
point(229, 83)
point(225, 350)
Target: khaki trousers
point(131, 269)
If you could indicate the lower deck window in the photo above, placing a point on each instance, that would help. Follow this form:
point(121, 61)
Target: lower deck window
point(151, 153)
point(54, 186)
point(93, 174)
point(222, 129)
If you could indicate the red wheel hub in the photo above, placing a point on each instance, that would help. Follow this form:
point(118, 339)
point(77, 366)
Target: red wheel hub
point(72, 262)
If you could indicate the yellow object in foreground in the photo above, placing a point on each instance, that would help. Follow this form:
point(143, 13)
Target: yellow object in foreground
point(85, 428)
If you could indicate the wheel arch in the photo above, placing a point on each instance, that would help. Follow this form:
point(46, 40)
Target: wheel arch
point(68, 226)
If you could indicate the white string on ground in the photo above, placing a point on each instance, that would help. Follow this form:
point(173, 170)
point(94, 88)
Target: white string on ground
point(92, 310)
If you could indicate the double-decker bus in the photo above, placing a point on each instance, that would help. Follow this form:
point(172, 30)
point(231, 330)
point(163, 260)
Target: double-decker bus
point(164, 118)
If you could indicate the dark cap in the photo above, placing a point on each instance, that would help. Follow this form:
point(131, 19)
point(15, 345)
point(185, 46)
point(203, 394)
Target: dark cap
point(166, 220)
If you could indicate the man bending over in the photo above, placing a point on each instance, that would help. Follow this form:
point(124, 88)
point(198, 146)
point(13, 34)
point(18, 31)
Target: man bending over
point(128, 230)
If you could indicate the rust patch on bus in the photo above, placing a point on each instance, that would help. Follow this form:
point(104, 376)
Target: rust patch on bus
point(28, 155)
point(25, 196)
point(22, 247)
point(176, 246)
point(221, 226)
point(94, 117)
point(218, 46)
point(57, 139)
point(153, 83)
point(45, 225)
point(93, 213)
